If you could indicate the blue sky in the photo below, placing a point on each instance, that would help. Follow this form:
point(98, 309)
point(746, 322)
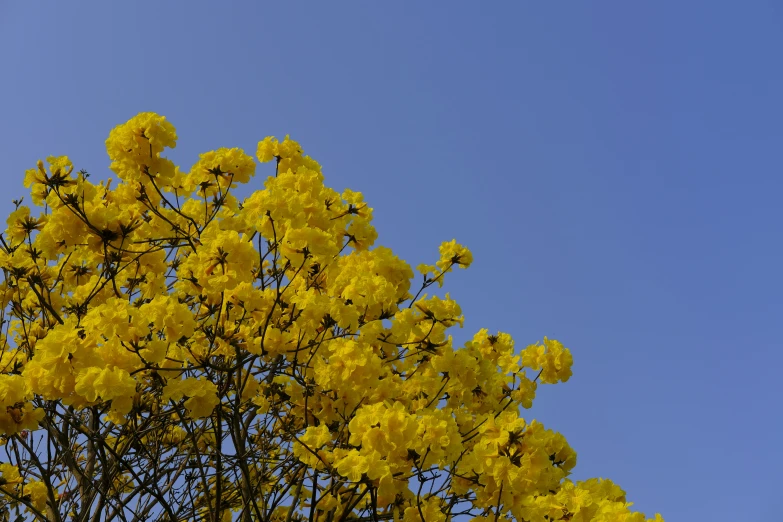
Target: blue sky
point(614, 166)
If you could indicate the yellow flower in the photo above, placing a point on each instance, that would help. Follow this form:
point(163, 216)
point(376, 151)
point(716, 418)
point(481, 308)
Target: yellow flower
point(223, 166)
point(551, 358)
point(452, 253)
point(134, 145)
point(267, 149)
point(201, 395)
point(38, 492)
point(9, 474)
point(316, 437)
point(353, 466)
point(107, 384)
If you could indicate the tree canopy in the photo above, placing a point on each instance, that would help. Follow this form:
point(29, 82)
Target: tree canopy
point(172, 353)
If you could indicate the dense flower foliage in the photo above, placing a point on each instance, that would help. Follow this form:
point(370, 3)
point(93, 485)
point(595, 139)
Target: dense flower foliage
point(173, 353)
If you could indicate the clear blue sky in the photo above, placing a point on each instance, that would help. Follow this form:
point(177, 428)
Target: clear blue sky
point(614, 166)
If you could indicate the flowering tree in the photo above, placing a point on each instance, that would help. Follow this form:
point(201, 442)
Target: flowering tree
point(172, 353)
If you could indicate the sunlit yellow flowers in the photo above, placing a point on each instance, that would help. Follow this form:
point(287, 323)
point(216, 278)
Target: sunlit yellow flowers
point(167, 344)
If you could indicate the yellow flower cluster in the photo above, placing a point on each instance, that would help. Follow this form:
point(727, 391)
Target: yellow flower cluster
point(552, 359)
point(16, 412)
point(164, 301)
point(12, 484)
point(202, 395)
